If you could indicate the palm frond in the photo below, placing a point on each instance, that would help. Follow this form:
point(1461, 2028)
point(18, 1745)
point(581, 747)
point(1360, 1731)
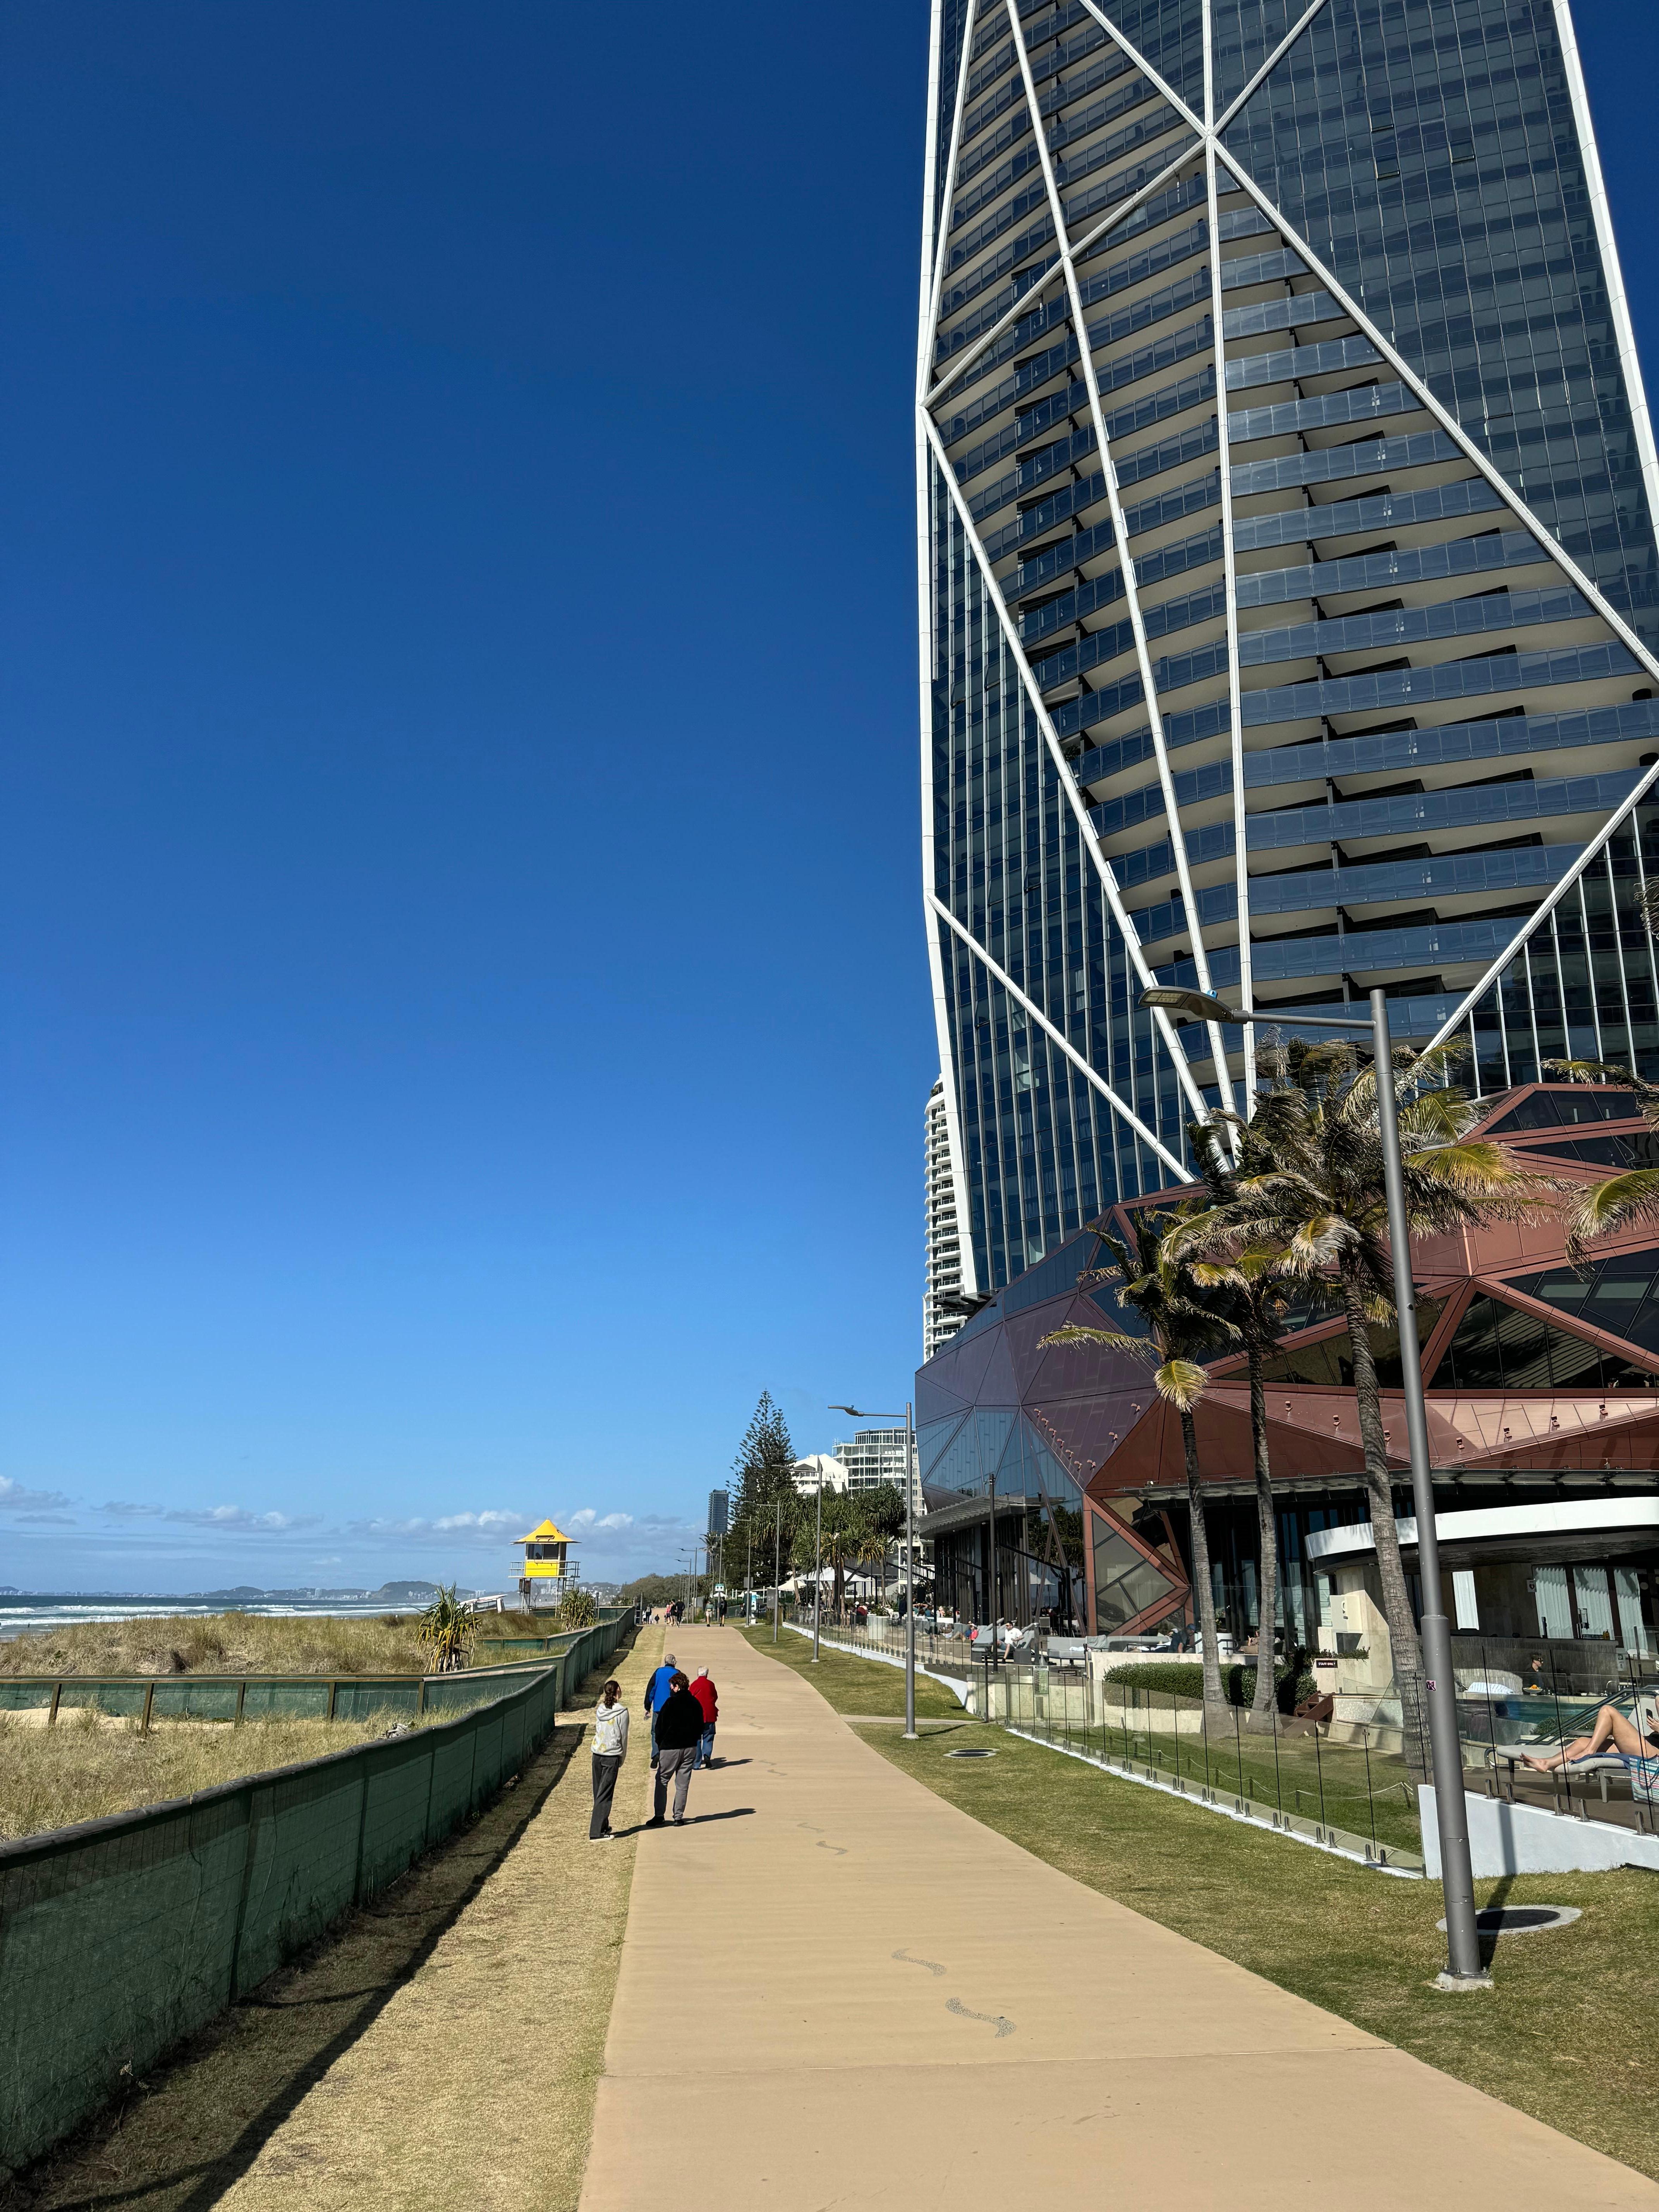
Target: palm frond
point(1183, 1382)
point(1137, 1347)
point(1620, 1202)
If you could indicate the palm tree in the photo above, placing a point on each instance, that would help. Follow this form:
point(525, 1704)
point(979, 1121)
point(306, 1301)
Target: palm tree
point(874, 1549)
point(447, 1628)
point(1182, 1327)
point(1621, 1201)
point(843, 1544)
point(1253, 1287)
point(1309, 1182)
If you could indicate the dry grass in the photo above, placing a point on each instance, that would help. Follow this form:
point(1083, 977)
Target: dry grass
point(219, 1644)
point(448, 2040)
point(88, 1766)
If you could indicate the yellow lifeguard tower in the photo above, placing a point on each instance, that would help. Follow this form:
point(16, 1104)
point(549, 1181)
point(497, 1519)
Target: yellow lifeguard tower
point(547, 1562)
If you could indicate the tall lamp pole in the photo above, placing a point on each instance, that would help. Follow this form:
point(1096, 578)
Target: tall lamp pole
point(909, 1554)
point(1463, 1968)
point(818, 1565)
point(777, 1566)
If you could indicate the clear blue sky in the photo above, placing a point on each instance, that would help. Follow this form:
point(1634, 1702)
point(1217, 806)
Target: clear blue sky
point(466, 1028)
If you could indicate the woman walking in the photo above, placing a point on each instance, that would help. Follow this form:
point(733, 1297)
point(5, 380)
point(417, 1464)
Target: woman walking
point(609, 1749)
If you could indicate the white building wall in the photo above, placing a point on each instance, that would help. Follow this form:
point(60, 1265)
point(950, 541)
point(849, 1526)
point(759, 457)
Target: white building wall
point(944, 1241)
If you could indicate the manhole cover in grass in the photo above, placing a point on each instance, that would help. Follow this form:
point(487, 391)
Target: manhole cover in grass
point(970, 1754)
point(1521, 1919)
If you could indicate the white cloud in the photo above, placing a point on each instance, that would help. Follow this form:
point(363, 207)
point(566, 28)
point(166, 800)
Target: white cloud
point(16, 1496)
point(490, 1528)
point(238, 1519)
point(125, 1509)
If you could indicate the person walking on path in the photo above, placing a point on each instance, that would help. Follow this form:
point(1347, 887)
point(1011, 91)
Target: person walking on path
point(679, 1730)
point(703, 1691)
point(609, 1749)
point(656, 1693)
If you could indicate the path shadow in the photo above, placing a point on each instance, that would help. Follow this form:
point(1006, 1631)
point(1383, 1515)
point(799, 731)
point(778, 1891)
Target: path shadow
point(187, 2133)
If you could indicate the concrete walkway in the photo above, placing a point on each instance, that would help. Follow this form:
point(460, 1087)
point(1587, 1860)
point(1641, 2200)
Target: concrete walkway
point(837, 1989)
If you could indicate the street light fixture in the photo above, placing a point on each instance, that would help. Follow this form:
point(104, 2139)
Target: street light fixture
point(910, 1555)
point(1464, 1970)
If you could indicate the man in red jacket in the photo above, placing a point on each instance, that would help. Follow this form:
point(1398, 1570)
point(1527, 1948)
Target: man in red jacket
point(703, 1691)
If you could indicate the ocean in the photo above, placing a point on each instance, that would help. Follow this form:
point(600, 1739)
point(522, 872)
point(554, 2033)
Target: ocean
point(23, 1610)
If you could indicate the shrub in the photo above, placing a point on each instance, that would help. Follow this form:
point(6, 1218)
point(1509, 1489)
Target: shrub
point(1184, 1678)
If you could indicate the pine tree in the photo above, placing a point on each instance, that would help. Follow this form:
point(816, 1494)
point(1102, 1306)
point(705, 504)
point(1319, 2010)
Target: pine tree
point(764, 1465)
point(765, 1478)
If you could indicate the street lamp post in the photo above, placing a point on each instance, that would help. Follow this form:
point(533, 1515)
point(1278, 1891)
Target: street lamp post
point(909, 1554)
point(818, 1565)
point(777, 1566)
point(1464, 1970)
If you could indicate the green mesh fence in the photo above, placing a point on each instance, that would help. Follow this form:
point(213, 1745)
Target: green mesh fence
point(119, 1937)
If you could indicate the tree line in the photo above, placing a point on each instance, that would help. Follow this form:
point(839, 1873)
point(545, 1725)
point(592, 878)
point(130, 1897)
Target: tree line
point(771, 1518)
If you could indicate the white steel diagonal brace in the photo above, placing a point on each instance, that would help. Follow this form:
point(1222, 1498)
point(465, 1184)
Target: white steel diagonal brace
point(1224, 458)
point(1518, 507)
point(1062, 767)
point(1084, 1067)
point(1132, 598)
point(925, 616)
point(942, 199)
point(1052, 277)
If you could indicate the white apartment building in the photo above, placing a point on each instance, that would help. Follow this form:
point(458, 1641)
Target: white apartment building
point(821, 1467)
point(873, 1456)
point(944, 1242)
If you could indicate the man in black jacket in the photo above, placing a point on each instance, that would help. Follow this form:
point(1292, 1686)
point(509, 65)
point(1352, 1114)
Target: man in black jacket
point(679, 1728)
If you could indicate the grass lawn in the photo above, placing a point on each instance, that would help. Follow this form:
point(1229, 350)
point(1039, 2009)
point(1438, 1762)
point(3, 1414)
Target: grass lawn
point(1568, 2034)
point(854, 1685)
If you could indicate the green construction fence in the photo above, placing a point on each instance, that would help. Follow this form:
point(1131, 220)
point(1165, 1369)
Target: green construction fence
point(121, 1936)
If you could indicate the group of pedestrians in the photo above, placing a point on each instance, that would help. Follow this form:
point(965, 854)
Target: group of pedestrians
point(683, 1712)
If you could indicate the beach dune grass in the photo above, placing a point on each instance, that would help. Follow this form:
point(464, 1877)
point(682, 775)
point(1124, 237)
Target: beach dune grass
point(246, 1644)
point(87, 1767)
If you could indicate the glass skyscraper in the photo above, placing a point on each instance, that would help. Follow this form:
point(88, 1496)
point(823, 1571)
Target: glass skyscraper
point(1289, 593)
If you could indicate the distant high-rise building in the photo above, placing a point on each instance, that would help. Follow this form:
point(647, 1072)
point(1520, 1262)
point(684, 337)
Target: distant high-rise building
point(1289, 586)
point(941, 1314)
point(720, 1506)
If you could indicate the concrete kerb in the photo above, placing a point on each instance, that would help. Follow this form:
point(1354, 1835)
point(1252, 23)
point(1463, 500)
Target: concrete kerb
point(1319, 1836)
point(959, 1688)
point(1380, 1859)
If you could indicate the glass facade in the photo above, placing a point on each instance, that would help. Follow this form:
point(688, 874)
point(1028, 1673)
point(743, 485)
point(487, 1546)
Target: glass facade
point(1290, 585)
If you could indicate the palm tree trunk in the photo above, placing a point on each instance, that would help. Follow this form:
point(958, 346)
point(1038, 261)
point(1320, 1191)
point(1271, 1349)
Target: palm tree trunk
point(1264, 1710)
point(1203, 1581)
point(1391, 1573)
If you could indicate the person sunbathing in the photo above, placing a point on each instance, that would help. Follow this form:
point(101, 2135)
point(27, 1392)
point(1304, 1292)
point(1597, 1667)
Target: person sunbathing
point(1611, 1735)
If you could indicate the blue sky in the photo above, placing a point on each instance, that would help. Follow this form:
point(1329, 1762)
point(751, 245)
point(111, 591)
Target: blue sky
point(465, 1024)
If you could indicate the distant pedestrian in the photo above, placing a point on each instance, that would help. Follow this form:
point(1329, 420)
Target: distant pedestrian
point(679, 1730)
point(703, 1691)
point(656, 1695)
point(609, 1749)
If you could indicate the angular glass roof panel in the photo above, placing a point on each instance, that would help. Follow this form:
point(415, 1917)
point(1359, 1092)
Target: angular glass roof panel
point(1498, 1347)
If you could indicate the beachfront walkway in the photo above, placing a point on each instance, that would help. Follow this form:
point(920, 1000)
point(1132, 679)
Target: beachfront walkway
point(835, 1989)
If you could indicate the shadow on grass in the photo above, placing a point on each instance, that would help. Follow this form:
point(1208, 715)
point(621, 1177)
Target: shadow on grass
point(184, 2137)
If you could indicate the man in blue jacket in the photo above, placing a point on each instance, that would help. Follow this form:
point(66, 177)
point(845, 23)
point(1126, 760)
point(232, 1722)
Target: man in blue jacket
point(656, 1697)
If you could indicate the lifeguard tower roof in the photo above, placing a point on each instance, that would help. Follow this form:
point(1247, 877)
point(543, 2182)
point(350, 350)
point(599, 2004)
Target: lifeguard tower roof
point(547, 1533)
